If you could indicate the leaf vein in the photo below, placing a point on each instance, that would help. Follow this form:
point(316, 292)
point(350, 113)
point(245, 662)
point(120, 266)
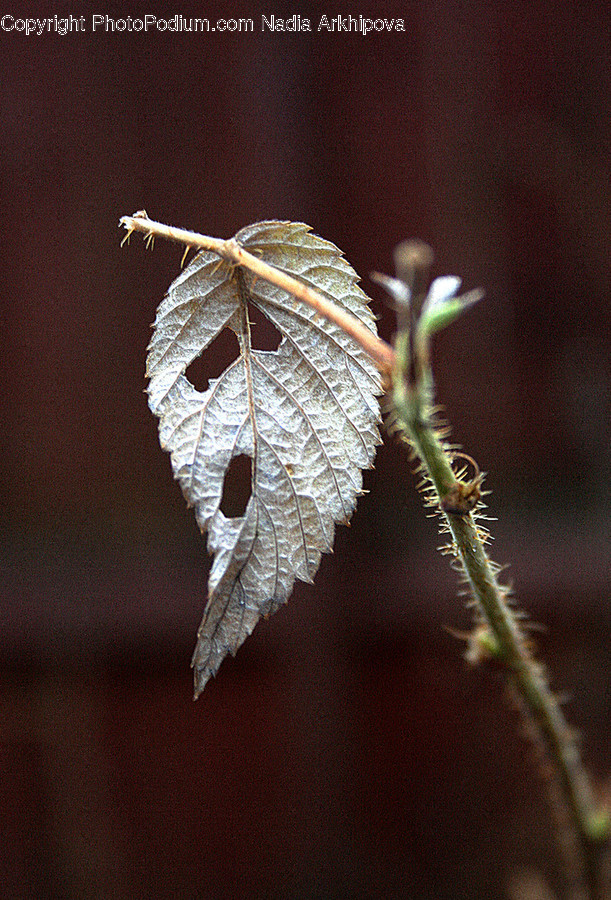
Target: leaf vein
point(306, 419)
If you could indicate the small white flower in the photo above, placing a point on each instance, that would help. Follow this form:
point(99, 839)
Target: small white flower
point(441, 290)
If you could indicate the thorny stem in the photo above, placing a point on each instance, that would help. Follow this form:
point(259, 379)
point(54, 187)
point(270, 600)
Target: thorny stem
point(588, 826)
point(408, 367)
point(380, 352)
point(527, 675)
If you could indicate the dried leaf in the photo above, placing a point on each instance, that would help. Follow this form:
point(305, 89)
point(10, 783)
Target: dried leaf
point(306, 414)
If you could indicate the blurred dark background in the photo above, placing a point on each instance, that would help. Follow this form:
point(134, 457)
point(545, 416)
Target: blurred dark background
point(348, 751)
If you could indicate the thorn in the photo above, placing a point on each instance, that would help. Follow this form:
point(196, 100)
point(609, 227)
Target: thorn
point(562, 699)
point(184, 256)
point(456, 633)
point(127, 236)
point(149, 241)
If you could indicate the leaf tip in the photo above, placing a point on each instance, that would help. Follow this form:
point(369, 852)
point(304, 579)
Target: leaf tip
point(201, 677)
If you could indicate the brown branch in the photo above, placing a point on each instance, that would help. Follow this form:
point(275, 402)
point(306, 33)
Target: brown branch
point(380, 352)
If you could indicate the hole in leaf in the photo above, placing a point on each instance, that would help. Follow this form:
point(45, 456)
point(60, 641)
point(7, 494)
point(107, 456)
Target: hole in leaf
point(263, 335)
point(214, 360)
point(236, 487)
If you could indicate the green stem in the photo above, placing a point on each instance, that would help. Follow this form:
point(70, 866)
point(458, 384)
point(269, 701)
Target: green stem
point(589, 832)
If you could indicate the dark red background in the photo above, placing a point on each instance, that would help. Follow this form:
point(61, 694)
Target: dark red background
point(348, 751)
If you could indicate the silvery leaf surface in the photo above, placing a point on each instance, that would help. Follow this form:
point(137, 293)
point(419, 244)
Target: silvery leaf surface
point(305, 414)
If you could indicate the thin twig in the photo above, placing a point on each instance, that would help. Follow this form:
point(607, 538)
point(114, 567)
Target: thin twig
point(380, 352)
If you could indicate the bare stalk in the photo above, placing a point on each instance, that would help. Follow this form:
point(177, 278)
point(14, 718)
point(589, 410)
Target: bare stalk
point(380, 352)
